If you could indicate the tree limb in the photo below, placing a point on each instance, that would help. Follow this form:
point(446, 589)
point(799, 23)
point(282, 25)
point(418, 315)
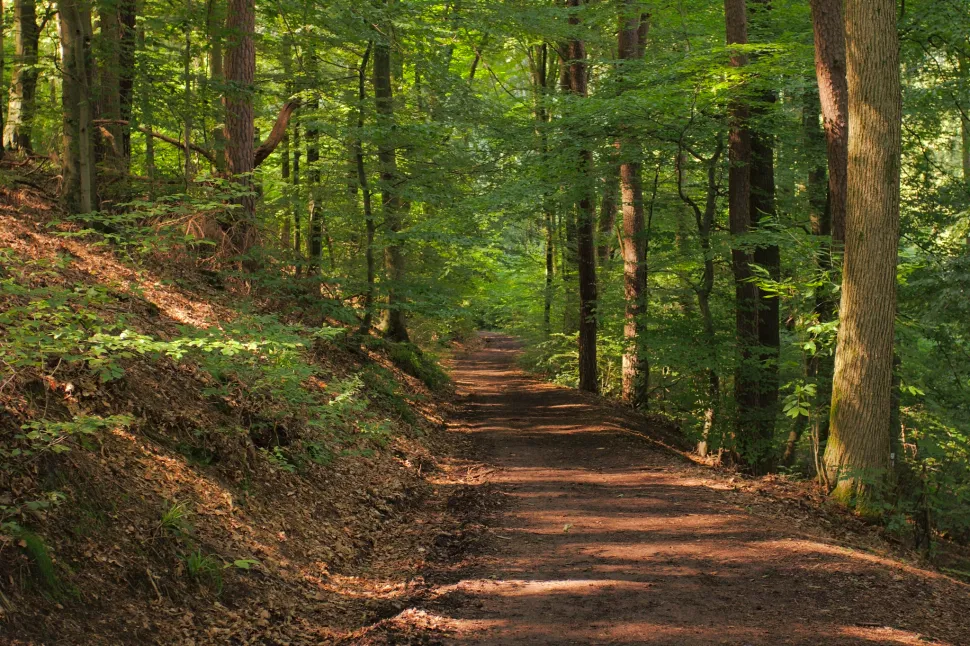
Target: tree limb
point(276, 134)
point(208, 154)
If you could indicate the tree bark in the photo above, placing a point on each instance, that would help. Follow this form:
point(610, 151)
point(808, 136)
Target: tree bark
point(830, 70)
point(739, 206)
point(371, 227)
point(391, 199)
point(608, 207)
point(540, 84)
point(78, 187)
point(635, 371)
point(240, 75)
point(23, 83)
point(760, 449)
point(857, 452)
point(586, 224)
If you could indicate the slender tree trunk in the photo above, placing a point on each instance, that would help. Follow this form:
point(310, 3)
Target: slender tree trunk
point(23, 83)
point(148, 116)
point(585, 226)
point(315, 232)
point(371, 227)
point(297, 210)
point(391, 199)
point(240, 75)
point(857, 452)
point(540, 84)
point(830, 70)
point(635, 369)
point(215, 27)
point(286, 232)
point(760, 453)
point(739, 205)
point(79, 186)
point(187, 103)
point(3, 61)
point(608, 206)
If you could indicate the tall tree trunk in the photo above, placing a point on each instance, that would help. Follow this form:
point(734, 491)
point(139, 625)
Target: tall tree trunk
point(286, 230)
point(148, 115)
point(760, 457)
point(585, 225)
point(79, 181)
point(215, 26)
point(739, 206)
point(857, 453)
point(297, 209)
point(315, 231)
point(371, 227)
point(830, 70)
point(635, 369)
point(240, 75)
point(3, 61)
point(608, 206)
point(187, 103)
point(540, 85)
point(23, 83)
point(391, 199)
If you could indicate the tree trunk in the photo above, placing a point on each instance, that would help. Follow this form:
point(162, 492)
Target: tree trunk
point(78, 185)
point(148, 117)
point(585, 226)
point(371, 227)
point(240, 75)
point(635, 369)
point(23, 83)
point(760, 449)
point(297, 211)
point(608, 206)
point(829, 30)
point(215, 20)
point(857, 453)
point(540, 85)
point(315, 231)
point(739, 206)
point(391, 199)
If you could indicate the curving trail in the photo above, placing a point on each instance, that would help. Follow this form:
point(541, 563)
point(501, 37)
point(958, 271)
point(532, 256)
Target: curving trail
point(607, 540)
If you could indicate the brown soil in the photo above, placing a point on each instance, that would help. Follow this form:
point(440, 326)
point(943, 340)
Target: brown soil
point(608, 539)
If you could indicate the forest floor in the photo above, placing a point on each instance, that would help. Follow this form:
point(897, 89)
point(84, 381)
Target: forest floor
point(603, 536)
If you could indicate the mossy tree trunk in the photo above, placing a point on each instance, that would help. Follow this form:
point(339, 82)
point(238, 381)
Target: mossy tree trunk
point(857, 453)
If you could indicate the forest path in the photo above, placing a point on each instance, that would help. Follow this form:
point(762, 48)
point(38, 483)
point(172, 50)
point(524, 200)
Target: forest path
point(606, 540)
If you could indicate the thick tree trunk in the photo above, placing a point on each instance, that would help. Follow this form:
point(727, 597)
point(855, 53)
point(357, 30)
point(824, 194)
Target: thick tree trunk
point(23, 83)
point(829, 30)
point(240, 75)
point(78, 187)
point(391, 199)
point(585, 226)
point(635, 371)
point(857, 453)
point(746, 382)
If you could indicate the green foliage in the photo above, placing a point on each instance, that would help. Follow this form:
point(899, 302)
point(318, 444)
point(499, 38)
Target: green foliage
point(205, 569)
point(417, 363)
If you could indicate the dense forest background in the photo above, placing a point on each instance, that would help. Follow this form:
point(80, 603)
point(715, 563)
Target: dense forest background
point(652, 195)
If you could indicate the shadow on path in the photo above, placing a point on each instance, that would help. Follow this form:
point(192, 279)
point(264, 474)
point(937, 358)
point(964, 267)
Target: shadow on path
point(607, 540)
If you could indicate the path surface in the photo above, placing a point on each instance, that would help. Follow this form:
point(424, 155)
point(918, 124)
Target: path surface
point(609, 541)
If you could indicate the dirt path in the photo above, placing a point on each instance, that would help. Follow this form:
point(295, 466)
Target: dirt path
point(606, 540)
